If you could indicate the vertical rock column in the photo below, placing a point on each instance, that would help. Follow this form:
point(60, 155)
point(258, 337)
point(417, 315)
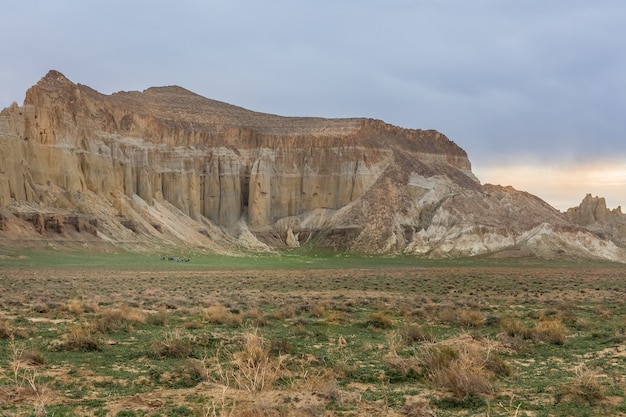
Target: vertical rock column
point(221, 189)
point(230, 190)
point(211, 192)
point(259, 200)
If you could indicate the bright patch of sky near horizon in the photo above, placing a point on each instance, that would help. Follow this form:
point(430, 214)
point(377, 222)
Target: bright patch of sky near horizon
point(534, 91)
point(561, 185)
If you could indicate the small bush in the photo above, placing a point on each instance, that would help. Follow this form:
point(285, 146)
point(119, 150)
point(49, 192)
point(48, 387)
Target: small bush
point(471, 317)
point(418, 410)
point(550, 331)
point(317, 310)
point(380, 320)
point(75, 307)
point(584, 388)
point(193, 324)
point(160, 318)
point(336, 317)
point(81, 336)
point(414, 333)
point(448, 314)
point(32, 358)
point(252, 368)
point(437, 357)
point(132, 314)
point(174, 345)
point(256, 316)
point(285, 312)
point(515, 328)
point(497, 364)
point(218, 314)
point(462, 371)
point(6, 330)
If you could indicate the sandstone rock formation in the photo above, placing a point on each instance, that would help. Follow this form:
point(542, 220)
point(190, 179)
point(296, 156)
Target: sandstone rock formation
point(166, 166)
point(593, 214)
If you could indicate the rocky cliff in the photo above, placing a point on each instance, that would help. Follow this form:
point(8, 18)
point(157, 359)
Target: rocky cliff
point(166, 166)
point(593, 214)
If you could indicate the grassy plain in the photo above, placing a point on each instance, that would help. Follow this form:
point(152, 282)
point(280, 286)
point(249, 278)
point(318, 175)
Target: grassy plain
point(309, 335)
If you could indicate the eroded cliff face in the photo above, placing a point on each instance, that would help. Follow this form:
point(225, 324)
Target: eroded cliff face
point(168, 167)
point(593, 214)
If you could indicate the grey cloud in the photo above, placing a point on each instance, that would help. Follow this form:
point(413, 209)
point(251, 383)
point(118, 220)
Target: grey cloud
point(499, 78)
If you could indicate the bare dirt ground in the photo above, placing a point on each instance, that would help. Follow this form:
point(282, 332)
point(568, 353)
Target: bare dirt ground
point(336, 354)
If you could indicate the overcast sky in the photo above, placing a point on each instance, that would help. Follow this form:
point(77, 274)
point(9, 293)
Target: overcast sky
point(533, 90)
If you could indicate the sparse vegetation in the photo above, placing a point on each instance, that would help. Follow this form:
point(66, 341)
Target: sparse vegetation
point(551, 331)
point(431, 341)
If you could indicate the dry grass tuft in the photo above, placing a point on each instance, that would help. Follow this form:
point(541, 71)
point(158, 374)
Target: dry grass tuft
point(81, 336)
point(175, 344)
point(256, 317)
point(317, 310)
point(32, 358)
point(75, 307)
point(380, 320)
point(119, 319)
point(218, 314)
point(284, 313)
point(252, 368)
point(464, 369)
point(403, 365)
point(471, 317)
point(515, 328)
point(584, 388)
point(6, 330)
point(418, 410)
point(25, 382)
point(550, 331)
point(415, 333)
point(160, 318)
point(336, 317)
point(332, 392)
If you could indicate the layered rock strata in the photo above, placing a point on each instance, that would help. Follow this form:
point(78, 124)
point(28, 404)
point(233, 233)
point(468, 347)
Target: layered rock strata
point(168, 167)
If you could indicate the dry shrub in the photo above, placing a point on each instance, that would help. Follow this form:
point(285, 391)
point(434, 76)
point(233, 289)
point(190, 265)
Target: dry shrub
point(218, 314)
point(550, 331)
point(174, 345)
point(471, 317)
point(336, 317)
point(6, 330)
point(317, 310)
point(418, 410)
point(160, 318)
point(252, 368)
point(584, 388)
point(255, 367)
point(132, 314)
point(260, 409)
point(81, 336)
point(415, 333)
point(32, 358)
point(463, 370)
point(75, 307)
point(25, 382)
point(285, 312)
point(331, 391)
point(515, 328)
point(119, 319)
point(448, 315)
point(497, 364)
point(380, 320)
point(256, 317)
point(193, 324)
point(403, 365)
